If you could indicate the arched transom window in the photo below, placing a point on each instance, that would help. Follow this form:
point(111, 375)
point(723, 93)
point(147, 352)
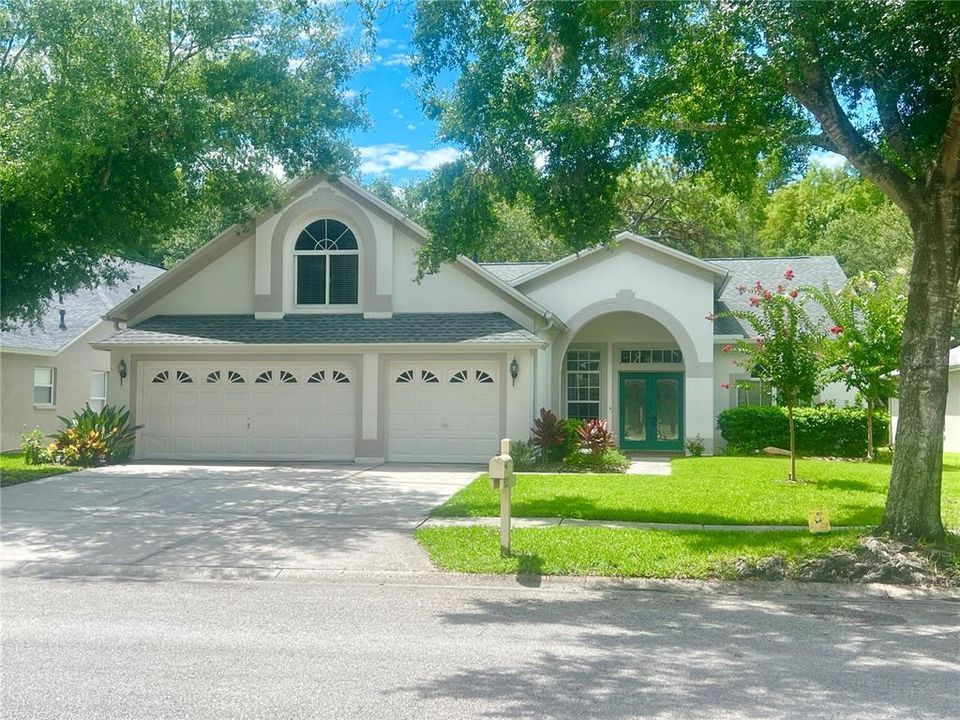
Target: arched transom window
point(327, 264)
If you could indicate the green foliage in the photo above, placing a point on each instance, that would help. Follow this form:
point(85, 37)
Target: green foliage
point(547, 435)
point(595, 436)
point(14, 470)
point(785, 350)
point(695, 446)
point(820, 431)
point(610, 460)
point(126, 126)
point(525, 454)
point(92, 437)
point(570, 430)
point(33, 447)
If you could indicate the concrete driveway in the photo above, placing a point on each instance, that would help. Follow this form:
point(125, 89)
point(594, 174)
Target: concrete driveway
point(265, 520)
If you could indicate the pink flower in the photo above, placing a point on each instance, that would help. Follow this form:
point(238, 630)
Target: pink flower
point(726, 348)
point(758, 287)
point(788, 275)
point(767, 294)
point(711, 317)
point(725, 386)
point(836, 329)
point(759, 342)
point(780, 288)
point(741, 289)
point(754, 301)
point(794, 293)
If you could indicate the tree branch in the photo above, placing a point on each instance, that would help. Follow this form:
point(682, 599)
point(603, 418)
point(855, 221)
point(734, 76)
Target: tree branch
point(815, 92)
point(892, 124)
point(948, 155)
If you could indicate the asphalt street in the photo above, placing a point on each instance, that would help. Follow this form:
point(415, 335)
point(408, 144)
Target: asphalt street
point(438, 646)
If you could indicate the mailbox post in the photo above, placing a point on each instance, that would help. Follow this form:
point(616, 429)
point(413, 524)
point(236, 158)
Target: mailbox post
point(502, 479)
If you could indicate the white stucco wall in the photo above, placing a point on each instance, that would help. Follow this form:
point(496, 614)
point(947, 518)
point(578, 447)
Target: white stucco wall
point(224, 286)
point(73, 367)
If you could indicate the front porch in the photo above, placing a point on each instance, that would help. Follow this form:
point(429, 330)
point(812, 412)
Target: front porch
point(630, 369)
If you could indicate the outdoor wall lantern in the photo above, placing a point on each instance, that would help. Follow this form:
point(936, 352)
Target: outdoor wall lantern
point(514, 371)
point(122, 370)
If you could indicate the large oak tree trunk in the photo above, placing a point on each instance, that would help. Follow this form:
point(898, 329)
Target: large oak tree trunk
point(913, 502)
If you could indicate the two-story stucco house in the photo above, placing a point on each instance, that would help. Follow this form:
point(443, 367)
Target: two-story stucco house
point(306, 337)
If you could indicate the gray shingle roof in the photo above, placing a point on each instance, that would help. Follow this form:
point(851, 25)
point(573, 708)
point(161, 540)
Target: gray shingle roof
point(84, 309)
point(512, 273)
point(812, 270)
point(472, 328)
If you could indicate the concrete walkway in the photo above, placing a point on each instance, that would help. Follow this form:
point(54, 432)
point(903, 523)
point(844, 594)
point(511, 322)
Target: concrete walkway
point(649, 466)
point(621, 524)
point(260, 518)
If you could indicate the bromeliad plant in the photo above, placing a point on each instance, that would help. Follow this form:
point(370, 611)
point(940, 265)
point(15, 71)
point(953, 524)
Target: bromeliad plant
point(94, 437)
point(785, 353)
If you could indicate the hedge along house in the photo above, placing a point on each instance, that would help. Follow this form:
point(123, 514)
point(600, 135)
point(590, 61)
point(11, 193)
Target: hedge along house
point(305, 336)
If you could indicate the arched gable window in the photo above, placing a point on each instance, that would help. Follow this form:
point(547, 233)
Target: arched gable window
point(326, 259)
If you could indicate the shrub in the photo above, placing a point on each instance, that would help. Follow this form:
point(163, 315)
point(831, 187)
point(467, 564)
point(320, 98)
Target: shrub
point(547, 436)
point(595, 436)
point(610, 461)
point(33, 447)
point(570, 430)
point(825, 431)
point(93, 437)
point(525, 455)
point(695, 446)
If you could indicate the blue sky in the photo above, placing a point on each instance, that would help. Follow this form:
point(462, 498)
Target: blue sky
point(400, 142)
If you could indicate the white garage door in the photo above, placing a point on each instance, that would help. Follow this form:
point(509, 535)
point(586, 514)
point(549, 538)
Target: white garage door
point(295, 411)
point(443, 412)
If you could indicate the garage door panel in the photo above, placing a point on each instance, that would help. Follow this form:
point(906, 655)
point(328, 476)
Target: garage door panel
point(219, 417)
point(455, 420)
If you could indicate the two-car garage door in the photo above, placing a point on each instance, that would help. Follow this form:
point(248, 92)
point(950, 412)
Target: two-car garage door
point(436, 411)
point(298, 411)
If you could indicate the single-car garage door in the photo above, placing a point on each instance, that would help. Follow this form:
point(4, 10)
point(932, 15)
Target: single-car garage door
point(444, 412)
point(284, 411)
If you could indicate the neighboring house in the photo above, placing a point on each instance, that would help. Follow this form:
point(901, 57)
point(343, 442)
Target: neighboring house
point(51, 370)
point(951, 423)
point(306, 336)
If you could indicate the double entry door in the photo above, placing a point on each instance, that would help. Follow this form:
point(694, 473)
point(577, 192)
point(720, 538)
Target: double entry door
point(651, 411)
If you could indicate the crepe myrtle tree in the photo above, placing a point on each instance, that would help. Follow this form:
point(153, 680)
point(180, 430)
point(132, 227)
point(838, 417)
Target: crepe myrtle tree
point(557, 100)
point(867, 316)
point(785, 352)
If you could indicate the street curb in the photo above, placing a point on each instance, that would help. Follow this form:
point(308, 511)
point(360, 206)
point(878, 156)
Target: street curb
point(749, 589)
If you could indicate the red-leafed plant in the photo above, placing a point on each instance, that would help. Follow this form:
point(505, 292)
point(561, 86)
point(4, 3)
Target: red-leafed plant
point(596, 437)
point(547, 434)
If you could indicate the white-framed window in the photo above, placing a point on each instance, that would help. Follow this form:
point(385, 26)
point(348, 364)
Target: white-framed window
point(583, 384)
point(635, 356)
point(753, 392)
point(98, 390)
point(326, 265)
point(44, 386)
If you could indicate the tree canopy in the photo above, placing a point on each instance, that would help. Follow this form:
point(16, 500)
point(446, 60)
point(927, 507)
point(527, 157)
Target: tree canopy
point(557, 100)
point(127, 124)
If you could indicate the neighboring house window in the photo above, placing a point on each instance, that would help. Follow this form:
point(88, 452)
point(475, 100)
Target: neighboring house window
point(44, 386)
point(98, 390)
point(752, 392)
point(326, 259)
point(583, 384)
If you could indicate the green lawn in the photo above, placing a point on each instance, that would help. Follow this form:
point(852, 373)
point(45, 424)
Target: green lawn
point(616, 552)
point(14, 470)
point(716, 490)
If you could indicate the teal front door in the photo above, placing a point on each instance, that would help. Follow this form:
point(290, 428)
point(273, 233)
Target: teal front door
point(651, 411)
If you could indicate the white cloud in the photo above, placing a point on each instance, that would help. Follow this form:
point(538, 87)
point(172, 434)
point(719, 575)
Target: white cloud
point(411, 126)
point(397, 114)
point(828, 159)
point(394, 156)
point(398, 60)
